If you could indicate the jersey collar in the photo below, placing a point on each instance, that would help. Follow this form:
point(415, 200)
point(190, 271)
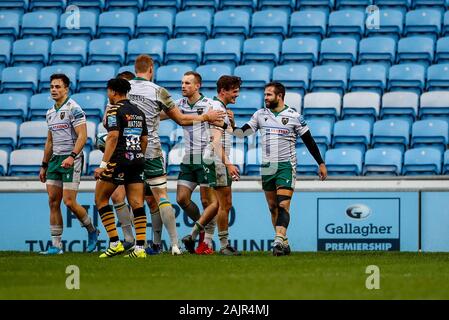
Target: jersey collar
point(65, 101)
point(278, 113)
point(193, 104)
point(140, 78)
point(216, 99)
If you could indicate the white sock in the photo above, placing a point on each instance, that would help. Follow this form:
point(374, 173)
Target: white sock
point(169, 220)
point(223, 236)
point(56, 235)
point(125, 217)
point(156, 223)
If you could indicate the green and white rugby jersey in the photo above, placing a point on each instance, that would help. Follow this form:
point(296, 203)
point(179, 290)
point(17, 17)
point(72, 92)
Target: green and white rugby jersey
point(279, 133)
point(151, 99)
point(61, 123)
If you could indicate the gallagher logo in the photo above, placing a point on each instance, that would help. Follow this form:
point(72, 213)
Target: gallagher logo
point(358, 211)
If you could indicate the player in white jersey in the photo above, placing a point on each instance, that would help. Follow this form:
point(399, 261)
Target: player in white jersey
point(152, 100)
point(192, 172)
point(280, 126)
point(63, 161)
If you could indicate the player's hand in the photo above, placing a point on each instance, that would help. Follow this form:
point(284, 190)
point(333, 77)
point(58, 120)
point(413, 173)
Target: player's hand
point(322, 172)
point(98, 172)
point(43, 175)
point(68, 162)
point(231, 117)
point(215, 115)
point(233, 172)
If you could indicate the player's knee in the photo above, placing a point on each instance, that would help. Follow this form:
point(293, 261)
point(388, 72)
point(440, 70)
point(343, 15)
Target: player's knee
point(118, 198)
point(54, 202)
point(70, 203)
point(273, 207)
point(283, 218)
point(182, 200)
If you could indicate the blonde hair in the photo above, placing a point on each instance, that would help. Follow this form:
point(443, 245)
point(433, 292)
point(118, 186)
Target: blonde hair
point(143, 63)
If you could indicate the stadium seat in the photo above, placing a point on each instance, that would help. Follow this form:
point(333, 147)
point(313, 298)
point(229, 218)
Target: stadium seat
point(438, 77)
point(167, 132)
point(116, 24)
point(306, 164)
point(237, 157)
point(131, 68)
point(16, 5)
point(352, 133)
point(352, 3)
point(39, 105)
point(368, 77)
point(437, 4)
point(175, 157)
point(391, 23)
point(430, 133)
point(434, 104)
point(30, 50)
point(362, 105)
point(13, 106)
point(93, 104)
point(329, 78)
point(442, 51)
point(344, 162)
point(193, 23)
point(95, 157)
point(407, 77)
point(403, 4)
point(400, 104)
point(78, 24)
point(288, 5)
point(210, 5)
point(322, 104)
point(253, 76)
point(170, 76)
point(32, 135)
point(293, 100)
point(95, 77)
point(416, 49)
point(184, 50)
point(3, 162)
point(223, 50)
point(347, 22)
point(394, 133)
point(5, 52)
point(294, 77)
point(423, 21)
point(25, 162)
point(247, 103)
point(253, 161)
point(378, 49)
point(8, 135)
point(322, 130)
point(446, 162)
point(422, 161)
point(248, 5)
point(91, 5)
point(315, 3)
point(91, 136)
point(264, 50)
point(172, 5)
point(308, 23)
point(69, 51)
point(211, 73)
point(383, 161)
point(128, 5)
point(339, 49)
point(300, 50)
point(40, 23)
point(270, 22)
point(46, 72)
point(108, 50)
point(445, 30)
point(234, 22)
point(9, 25)
point(155, 23)
point(152, 47)
point(20, 78)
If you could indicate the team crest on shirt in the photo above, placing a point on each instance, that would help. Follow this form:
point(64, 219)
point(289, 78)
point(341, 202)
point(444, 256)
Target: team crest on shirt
point(200, 111)
point(284, 120)
point(62, 115)
point(266, 118)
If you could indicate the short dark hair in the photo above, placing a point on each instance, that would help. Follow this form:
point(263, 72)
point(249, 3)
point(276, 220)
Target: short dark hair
point(119, 85)
point(127, 75)
point(196, 75)
point(228, 83)
point(60, 76)
point(278, 88)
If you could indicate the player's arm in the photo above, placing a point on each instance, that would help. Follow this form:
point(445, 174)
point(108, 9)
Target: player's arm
point(163, 116)
point(216, 134)
point(212, 116)
point(315, 152)
point(81, 132)
point(48, 151)
point(248, 128)
point(144, 136)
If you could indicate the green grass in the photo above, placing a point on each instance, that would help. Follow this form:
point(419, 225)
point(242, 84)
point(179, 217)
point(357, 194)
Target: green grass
point(336, 275)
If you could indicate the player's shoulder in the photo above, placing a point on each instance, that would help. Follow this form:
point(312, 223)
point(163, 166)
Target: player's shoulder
point(181, 102)
point(217, 105)
point(261, 112)
point(290, 111)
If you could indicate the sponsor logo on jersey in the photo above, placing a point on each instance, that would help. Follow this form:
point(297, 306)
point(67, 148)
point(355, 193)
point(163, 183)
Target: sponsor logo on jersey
point(277, 131)
point(129, 156)
point(59, 126)
point(112, 121)
point(200, 111)
point(284, 120)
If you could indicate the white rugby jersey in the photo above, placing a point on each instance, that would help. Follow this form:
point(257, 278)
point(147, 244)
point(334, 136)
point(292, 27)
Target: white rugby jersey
point(279, 133)
point(151, 99)
point(196, 135)
point(226, 136)
point(61, 123)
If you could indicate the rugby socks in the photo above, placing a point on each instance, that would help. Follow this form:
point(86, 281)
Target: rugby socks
point(86, 222)
point(279, 240)
point(156, 222)
point(192, 211)
point(169, 219)
point(56, 235)
point(223, 236)
point(108, 220)
point(198, 228)
point(209, 232)
point(125, 217)
point(140, 223)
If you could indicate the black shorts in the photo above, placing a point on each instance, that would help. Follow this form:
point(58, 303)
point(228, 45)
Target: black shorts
point(120, 174)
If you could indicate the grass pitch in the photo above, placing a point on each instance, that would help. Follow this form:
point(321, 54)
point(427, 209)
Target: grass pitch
point(332, 275)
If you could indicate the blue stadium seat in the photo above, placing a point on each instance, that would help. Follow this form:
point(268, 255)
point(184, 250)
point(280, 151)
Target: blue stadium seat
point(150, 46)
point(40, 23)
point(57, 6)
point(339, 49)
point(400, 104)
point(93, 104)
point(108, 50)
point(247, 5)
point(184, 50)
point(306, 164)
point(368, 77)
point(354, 133)
point(8, 135)
point(247, 103)
point(322, 130)
point(442, 52)
point(434, 104)
point(391, 23)
point(270, 22)
point(46, 72)
point(69, 50)
point(264, 50)
point(155, 23)
point(446, 162)
point(96, 6)
point(172, 5)
point(362, 105)
point(78, 24)
point(95, 157)
point(95, 77)
point(315, 3)
point(212, 72)
point(16, 5)
point(170, 76)
point(175, 159)
point(32, 135)
point(403, 4)
point(300, 50)
point(422, 161)
point(253, 76)
point(193, 23)
point(293, 100)
point(430, 133)
point(210, 5)
point(253, 161)
point(308, 23)
point(133, 5)
point(167, 131)
point(91, 127)
point(329, 78)
point(30, 50)
point(226, 50)
point(131, 68)
point(5, 52)
point(25, 162)
point(352, 3)
point(438, 77)
point(377, 49)
point(407, 77)
point(394, 133)
point(294, 77)
point(234, 22)
point(437, 4)
point(383, 161)
point(445, 30)
point(423, 21)
point(9, 25)
point(39, 105)
point(347, 22)
point(116, 24)
point(344, 162)
point(322, 104)
point(3, 162)
point(416, 49)
point(20, 78)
